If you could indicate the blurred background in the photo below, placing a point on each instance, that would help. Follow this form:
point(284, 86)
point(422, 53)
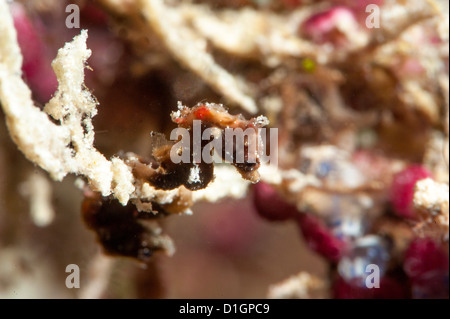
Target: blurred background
point(224, 249)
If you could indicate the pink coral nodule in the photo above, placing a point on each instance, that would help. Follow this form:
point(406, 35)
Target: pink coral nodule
point(402, 189)
point(269, 204)
point(330, 26)
point(36, 65)
point(321, 239)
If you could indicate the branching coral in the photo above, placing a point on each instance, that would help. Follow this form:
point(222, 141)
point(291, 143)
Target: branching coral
point(68, 147)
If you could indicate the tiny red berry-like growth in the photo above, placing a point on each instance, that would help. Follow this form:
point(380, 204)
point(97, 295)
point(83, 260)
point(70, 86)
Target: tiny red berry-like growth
point(402, 191)
point(389, 289)
point(269, 205)
point(423, 260)
point(36, 65)
point(324, 26)
point(321, 239)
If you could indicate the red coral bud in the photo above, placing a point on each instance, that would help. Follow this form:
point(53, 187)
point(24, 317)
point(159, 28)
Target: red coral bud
point(427, 266)
point(389, 289)
point(329, 26)
point(321, 239)
point(269, 204)
point(402, 191)
point(36, 65)
point(424, 255)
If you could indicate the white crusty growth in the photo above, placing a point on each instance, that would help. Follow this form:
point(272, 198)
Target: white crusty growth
point(431, 200)
point(68, 147)
point(37, 137)
point(301, 286)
